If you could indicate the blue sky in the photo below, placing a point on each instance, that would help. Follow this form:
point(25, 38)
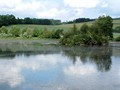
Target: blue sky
point(60, 9)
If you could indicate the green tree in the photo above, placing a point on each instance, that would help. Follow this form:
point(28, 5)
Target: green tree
point(104, 25)
point(27, 20)
point(99, 33)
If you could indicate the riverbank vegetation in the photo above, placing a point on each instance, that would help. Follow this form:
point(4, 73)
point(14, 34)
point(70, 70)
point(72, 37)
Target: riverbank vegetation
point(29, 33)
point(99, 33)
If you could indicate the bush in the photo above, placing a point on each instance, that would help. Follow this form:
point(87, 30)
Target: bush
point(84, 29)
point(15, 31)
point(28, 33)
point(56, 34)
point(4, 35)
point(46, 33)
point(97, 34)
point(22, 32)
point(117, 39)
point(36, 32)
point(117, 29)
point(3, 29)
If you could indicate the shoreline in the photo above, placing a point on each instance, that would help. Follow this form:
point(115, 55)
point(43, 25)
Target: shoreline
point(41, 41)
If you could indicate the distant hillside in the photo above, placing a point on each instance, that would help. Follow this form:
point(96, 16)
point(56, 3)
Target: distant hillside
point(6, 20)
point(79, 20)
point(82, 20)
point(63, 26)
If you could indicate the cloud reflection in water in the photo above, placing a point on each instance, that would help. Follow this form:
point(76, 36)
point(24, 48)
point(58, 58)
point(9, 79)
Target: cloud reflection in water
point(80, 69)
point(10, 70)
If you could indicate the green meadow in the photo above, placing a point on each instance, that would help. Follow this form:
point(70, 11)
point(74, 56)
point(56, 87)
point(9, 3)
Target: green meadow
point(63, 26)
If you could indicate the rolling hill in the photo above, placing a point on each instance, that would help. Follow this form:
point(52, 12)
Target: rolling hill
point(63, 26)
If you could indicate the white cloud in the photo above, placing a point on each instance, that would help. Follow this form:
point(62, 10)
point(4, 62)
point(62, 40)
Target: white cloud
point(28, 6)
point(104, 4)
point(19, 5)
point(81, 3)
point(10, 3)
point(64, 9)
point(114, 6)
point(48, 13)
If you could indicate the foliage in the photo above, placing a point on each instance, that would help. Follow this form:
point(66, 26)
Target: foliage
point(46, 33)
point(3, 29)
point(15, 31)
point(97, 34)
point(36, 32)
point(104, 25)
point(117, 39)
point(28, 33)
point(6, 20)
point(57, 33)
point(22, 32)
point(74, 29)
point(116, 29)
point(79, 20)
point(84, 29)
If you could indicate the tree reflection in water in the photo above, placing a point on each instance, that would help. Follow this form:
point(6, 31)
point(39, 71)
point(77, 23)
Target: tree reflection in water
point(101, 56)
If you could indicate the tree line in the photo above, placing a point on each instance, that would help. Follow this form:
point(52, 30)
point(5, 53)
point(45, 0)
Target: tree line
point(6, 20)
point(80, 20)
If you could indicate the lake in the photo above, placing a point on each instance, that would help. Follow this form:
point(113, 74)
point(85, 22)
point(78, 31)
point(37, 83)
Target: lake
point(52, 67)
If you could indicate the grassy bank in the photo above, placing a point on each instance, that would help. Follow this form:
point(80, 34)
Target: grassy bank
point(33, 34)
point(28, 41)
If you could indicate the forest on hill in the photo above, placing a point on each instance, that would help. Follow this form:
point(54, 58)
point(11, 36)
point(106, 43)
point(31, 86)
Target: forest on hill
point(6, 20)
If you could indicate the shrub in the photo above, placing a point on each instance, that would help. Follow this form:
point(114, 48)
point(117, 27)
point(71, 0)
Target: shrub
point(36, 32)
point(97, 34)
point(46, 33)
point(28, 33)
point(117, 29)
point(22, 32)
point(57, 33)
point(15, 31)
point(84, 29)
point(117, 39)
point(3, 29)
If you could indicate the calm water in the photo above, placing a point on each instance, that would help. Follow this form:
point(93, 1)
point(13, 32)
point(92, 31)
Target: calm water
point(37, 67)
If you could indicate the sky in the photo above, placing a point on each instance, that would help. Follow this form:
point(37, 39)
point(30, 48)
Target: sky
point(64, 10)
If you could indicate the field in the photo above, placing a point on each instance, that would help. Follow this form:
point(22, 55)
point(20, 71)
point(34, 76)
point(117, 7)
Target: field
point(115, 35)
point(63, 26)
point(51, 27)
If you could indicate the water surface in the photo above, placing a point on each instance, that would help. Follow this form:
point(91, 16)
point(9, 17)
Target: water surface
point(49, 67)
